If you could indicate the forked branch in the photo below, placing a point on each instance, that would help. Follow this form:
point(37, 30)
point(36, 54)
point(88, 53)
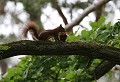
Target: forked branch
point(88, 10)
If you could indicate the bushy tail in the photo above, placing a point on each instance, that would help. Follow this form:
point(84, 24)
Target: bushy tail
point(30, 26)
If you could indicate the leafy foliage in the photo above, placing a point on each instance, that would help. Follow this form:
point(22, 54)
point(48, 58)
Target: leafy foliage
point(65, 68)
point(101, 33)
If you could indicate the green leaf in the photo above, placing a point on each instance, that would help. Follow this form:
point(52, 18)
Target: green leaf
point(73, 38)
point(94, 25)
point(70, 75)
point(101, 21)
point(84, 33)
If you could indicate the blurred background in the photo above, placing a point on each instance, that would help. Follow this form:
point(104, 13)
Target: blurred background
point(14, 14)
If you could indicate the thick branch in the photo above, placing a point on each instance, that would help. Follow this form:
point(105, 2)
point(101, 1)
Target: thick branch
point(88, 10)
point(102, 69)
point(60, 48)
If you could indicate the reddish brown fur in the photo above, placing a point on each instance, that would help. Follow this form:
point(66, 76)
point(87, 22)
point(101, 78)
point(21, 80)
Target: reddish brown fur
point(56, 33)
point(62, 36)
point(30, 26)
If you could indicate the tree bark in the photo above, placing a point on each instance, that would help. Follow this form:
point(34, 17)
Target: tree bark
point(38, 48)
point(102, 69)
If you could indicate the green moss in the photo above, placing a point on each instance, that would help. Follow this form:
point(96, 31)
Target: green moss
point(4, 47)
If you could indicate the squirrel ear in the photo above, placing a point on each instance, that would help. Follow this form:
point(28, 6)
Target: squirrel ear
point(60, 25)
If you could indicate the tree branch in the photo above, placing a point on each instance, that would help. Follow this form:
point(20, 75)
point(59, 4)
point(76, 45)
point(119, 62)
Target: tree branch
point(57, 7)
point(98, 12)
point(2, 6)
point(38, 48)
point(88, 10)
point(102, 69)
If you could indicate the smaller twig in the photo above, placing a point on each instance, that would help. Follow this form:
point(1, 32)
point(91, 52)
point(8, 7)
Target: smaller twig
point(58, 73)
point(57, 7)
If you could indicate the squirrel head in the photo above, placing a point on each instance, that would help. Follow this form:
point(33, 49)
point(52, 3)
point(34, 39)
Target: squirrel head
point(60, 28)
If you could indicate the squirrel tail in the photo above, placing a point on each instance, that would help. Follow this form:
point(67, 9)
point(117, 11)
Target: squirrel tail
point(30, 26)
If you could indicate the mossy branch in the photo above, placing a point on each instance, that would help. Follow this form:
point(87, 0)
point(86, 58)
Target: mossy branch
point(38, 48)
point(92, 50)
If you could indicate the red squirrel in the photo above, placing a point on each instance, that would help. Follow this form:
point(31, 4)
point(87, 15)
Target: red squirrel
point(58, 33)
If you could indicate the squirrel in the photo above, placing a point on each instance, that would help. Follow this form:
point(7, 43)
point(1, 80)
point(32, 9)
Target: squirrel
point(58, 33)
